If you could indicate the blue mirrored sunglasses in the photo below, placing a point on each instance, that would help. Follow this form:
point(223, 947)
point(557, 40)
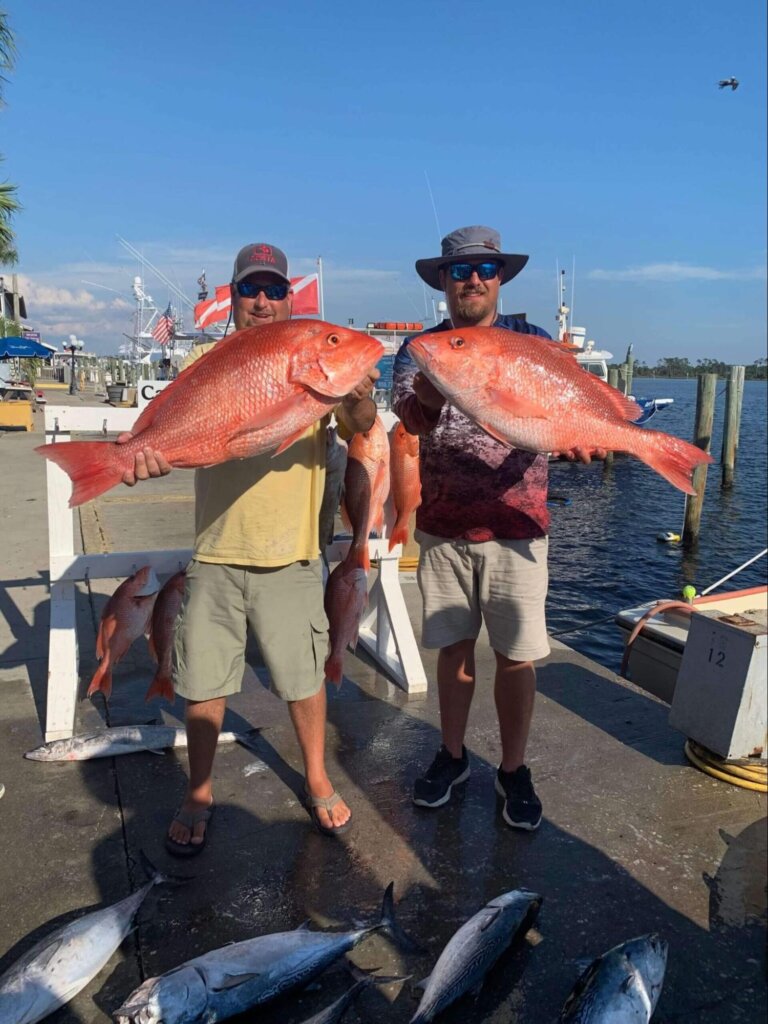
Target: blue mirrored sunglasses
point(274, 292)
point(463, 271)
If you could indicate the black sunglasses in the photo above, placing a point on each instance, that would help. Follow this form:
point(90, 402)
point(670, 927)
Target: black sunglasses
point(274, 292)
point(463, 271)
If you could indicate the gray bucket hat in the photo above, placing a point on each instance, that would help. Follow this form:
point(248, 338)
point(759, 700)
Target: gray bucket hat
point(470, 243)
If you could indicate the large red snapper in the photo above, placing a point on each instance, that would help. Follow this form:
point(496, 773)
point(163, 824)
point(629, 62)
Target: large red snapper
point(531, 393)
point(161, 636)
point(406, 481)
point(346, 596)
point(366, 488)
point(127, 614)
point(256, 391)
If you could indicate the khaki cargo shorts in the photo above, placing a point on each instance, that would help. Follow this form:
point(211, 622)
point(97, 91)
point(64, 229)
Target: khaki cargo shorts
point(284, 608)
point(501, 582)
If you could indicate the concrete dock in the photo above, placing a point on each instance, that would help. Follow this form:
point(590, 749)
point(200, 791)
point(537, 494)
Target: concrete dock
point(634, 839)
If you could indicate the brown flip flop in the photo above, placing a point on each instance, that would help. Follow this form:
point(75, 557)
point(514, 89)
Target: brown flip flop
point(327, 803)
point(189, 820)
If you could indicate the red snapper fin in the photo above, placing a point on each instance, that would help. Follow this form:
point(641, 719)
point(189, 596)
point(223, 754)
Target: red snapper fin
point(671, 457)
point(289, 441)
point(102, 679)
point(334, 669)
point(627, 408)
point(162, 687)
point(93, 466)
point(399, 534)
point(517, 405)
point(246, 441)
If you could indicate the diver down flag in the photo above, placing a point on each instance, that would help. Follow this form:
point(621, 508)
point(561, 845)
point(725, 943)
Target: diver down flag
point(306, 301)
point(306, 295)
point(211, 311)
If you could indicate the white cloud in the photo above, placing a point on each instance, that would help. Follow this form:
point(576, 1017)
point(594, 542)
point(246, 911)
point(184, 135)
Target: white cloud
point(674, 272)
point(94, 300)
point(43, 297)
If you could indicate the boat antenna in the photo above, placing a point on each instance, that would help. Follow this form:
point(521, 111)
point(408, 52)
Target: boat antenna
point(434, 208)
point(139, 256)
point(573, 290)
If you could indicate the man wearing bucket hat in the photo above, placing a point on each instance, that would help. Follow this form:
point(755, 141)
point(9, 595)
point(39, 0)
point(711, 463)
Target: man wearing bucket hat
point(256, 564)
point(482, 529)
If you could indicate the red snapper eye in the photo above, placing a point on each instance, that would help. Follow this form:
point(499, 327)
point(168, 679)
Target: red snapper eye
point(333, 339)
point(457, 343)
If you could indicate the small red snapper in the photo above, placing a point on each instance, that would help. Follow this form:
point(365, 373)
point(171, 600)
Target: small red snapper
point(346, 597)
point(366, 488)
point(127, 614)
point(531, 393)
point(164, 615)
point(406, 482)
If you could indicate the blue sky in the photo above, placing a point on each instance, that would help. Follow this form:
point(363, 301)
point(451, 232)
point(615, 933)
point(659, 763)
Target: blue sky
point(589, 131)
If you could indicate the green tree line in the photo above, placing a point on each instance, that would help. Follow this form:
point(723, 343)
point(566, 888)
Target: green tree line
point(675, 366)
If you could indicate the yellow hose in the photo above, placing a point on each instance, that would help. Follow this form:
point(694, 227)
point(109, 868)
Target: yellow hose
point(404, 564)
point(746, 776)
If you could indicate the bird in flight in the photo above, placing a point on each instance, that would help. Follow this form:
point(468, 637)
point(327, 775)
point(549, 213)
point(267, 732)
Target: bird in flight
point(725, 82)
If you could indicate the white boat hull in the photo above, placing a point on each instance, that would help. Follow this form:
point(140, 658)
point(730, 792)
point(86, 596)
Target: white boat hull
point(654, 661)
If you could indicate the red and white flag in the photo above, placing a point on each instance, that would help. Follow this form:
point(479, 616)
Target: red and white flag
point(211, 311)
point(306, 301)
point(306, 295)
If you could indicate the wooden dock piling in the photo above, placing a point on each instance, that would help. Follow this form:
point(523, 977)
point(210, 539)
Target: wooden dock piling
point(702, 437)
point(613, 380)
point(629, 368)
point(733, 401)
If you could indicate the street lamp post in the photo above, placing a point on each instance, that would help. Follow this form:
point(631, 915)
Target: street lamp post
point(72, 346)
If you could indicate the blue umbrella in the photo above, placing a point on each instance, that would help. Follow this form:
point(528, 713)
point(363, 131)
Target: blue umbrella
point(22, 348)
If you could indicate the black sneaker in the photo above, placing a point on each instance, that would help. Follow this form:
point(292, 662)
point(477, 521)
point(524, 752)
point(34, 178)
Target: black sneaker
point(522, 808)
point(433, 789)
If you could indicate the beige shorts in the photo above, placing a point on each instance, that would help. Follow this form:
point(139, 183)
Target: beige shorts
point(501, 582)
point(283, 607)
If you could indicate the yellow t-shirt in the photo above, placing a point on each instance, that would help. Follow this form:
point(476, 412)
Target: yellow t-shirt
point(263, 510)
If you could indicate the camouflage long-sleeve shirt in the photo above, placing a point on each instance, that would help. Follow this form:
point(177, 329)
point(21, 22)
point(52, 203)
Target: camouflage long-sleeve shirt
point(472, 487)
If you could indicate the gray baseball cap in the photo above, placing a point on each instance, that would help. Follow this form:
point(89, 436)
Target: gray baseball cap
point(470, 243)
point(260, 257)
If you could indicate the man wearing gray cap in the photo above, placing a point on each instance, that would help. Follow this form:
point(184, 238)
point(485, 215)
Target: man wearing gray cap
point(256, 564)
point(482, 529)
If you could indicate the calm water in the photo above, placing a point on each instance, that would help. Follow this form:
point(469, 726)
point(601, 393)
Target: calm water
point(604, 555)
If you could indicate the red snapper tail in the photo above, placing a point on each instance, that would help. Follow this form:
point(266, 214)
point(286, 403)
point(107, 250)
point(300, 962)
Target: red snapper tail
point(92, 466)
point(671, 457)
point(334, 669)
point(399, 533)
point(102, 677)
point(161, 686)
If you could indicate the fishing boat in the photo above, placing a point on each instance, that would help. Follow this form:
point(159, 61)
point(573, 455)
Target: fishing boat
point(656, 633)
point(159, 336)
point(595, 361)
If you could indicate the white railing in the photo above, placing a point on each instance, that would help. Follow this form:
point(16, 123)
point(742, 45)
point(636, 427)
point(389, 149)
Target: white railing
point(386, 631)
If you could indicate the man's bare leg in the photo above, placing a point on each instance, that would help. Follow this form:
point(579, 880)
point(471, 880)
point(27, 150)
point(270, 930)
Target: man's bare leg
point(515, 693)
point(455, 688)
point(308, 717)
point(203, 722)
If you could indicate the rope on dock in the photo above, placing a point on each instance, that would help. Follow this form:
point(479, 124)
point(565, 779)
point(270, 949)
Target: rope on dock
point(746, 776)
point(586, 625)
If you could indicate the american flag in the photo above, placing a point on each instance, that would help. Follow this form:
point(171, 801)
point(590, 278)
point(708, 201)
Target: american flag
point(163, 330)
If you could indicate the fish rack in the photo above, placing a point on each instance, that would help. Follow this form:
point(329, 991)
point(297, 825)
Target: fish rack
point(386, 631)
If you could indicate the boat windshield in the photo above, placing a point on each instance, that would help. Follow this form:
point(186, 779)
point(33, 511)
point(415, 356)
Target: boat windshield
point(597, 368)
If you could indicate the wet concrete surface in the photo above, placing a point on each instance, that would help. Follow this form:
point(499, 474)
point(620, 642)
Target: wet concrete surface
point(633, 839)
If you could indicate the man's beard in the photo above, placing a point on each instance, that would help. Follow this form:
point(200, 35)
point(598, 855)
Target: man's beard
point(474, 311)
